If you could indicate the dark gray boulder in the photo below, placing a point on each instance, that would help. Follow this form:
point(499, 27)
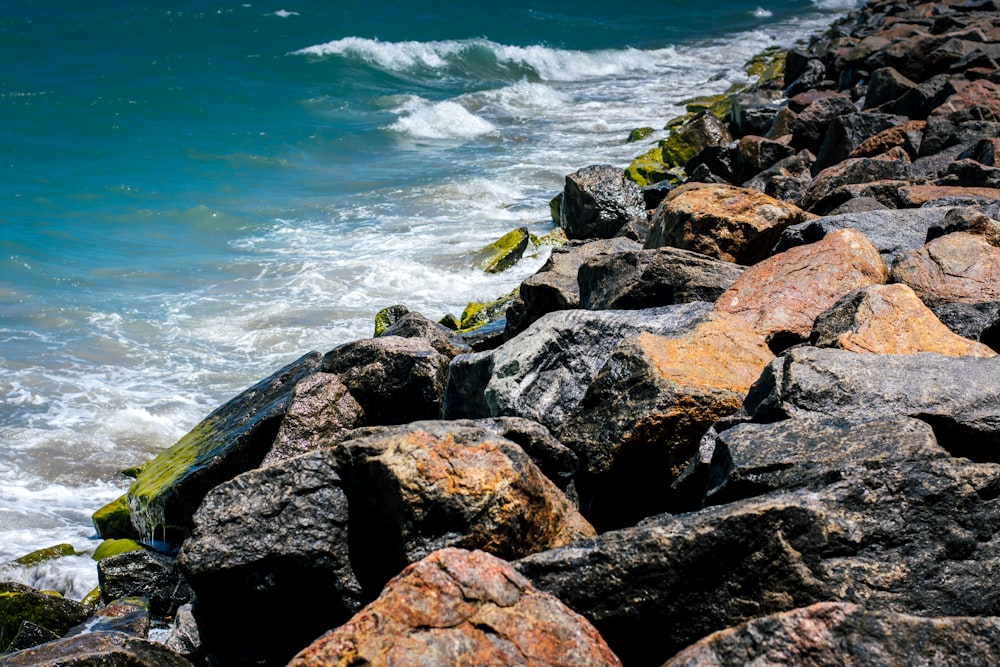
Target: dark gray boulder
point(145, 574)
point(975, 321)
point(597, 201)
point(441, 338)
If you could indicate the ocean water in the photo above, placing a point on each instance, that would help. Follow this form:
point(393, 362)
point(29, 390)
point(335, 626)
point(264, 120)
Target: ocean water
point(196, 192)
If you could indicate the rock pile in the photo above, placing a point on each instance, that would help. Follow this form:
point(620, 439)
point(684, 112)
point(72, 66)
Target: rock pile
point(748, 417)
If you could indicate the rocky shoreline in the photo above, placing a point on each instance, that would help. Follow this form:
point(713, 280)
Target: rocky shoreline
point(747, 413)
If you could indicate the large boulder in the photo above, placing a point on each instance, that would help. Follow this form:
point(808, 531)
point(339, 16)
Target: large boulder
point(543, 373)
point(781, 296)
point(459, 607)
point(145, 574)
point(597, 201)
point(959, 267)
point(20, 604)
point(723, 221)
point(838, 633)
point(644, 413)
point(441, 338)
point(832, 186)
point(234, 438)
point(639, 279)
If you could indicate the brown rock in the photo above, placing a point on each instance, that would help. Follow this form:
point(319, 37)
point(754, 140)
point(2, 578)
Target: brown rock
point(955, 268)
point(889, 319)
point(826, 191)
point(913, 196)
point(734, 224)
point(642, 417)
point(460, 607)
point(781, 296)
point(906, 135)
point(963, 96)
point(838, 633)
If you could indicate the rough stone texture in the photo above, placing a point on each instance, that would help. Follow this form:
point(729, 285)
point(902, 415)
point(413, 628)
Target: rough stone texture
point(733, 224)
point(415, 325)
point(430, 485)
point(146, 574)
point(912, 196)
point(889, 319)
point(394, 379)
point(643, 415)
point(128, 615)
point(649, 278)
point(459, 607)
point(831, 633)
point(781, 296)
point(755, 154)
point(96, 649)
point(829, 188)
point(543, 374)
point(19, 603)
point(848, 132)
point(886, 86)
point(975, 321)
point(597, 201)
point(555, 286)
point(270, 541)
point(906, 135)
point(787, 179)
point(321, 412)
point(232, 439)
point(959, 267)
point(809, 127)
point(916, 537)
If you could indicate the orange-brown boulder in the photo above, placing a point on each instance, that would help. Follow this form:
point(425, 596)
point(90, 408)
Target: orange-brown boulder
point(905, 135)
point(781, 296)
point(458, 607)
point(914, 196)
point(889, 319)
point(961, 267)
point(735, 224)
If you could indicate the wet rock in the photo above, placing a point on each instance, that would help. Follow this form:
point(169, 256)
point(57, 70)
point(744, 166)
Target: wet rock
point(20, 603)
point(96, 649)
point(889, 319)
point(597, 201)
point(30, 635)
point(128, 615)
point(184, 638)
point(441, 338)
point(461, 607)
point(394, 379)
point(649, 278)
point(781, 296)
point(844, 633)
point(232, 439)
point(726, 222)
point(144, 574)
point(321, 412)
point(505, 252)
point(387, 316)
point(959, 267)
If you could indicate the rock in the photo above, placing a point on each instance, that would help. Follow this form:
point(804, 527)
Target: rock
point(597, 201)
point(755, 154)
point(488, 336)
point(846, 133)
point(425, 486)
point(184, 638)
point(96, 649)
point(967, 219)
point(781, 296)
point(885, 87)
point(233, 438)
point(387, 316)
point(321, 412)
point(441, 338)
point(976, 100)
point(907, 136)
point(913, 196)
point(733, 224)
point(787, 179)
point(543, 373)
point(505, 252)
point(113, 521)
point(461, 607)
point(958, 267)
point(844, 633)
point(643, 415)
point(264, 543)
point(478, 314)
point(639, 279)
point(109, 548)
point(554, 286)
point(30, 635)
point(692, 137)
point(889, 319)
point(975, 321)
point(828, 190)
point(128, 615)
point(910, 537)
point(46, 554)
point(638, 134)
point(394, 379)
point(810, 125)
point(144, 574)
point(858, 205)
point(20, 603)
point(754, 113)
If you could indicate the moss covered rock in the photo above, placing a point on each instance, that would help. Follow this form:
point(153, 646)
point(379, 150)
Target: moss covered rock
point(477, 314)
point(114, 521)
point(638, 134)
point(768, 67)
point(554, 239)
point(386, 317)
point(685, 141)
point(109, 548)
point(46, 554)
point(20, 603)
point(505, 252)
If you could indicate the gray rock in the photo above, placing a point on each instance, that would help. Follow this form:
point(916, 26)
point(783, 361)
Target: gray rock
point(129, 615)
point(30, 635)
point(597, 201)
point(649, 278)
point(543, 373)
point(267, 542)
point(846, 133)
point(145, 574)
point(975, 321)
point(415, 325)
point(96, 649)
point(184, 638)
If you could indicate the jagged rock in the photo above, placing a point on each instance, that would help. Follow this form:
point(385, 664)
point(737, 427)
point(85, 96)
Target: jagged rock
point(636, 279)
point(96, 649)
point(967, 219)
point(810, 125)
point(753, 113)
point(645, 411)
point(425, 486)
point(812, 76)
point(907, 136)
point(910, 537)
point(828, 190)
point(843, 633)
point(975, 321)
point(892, 231)
point(726, 222)
point(20, 603)
point(264, 543)
point(415, 325)
point(543, 373)
point(145, 574)
point(30, 635)
point(787, 179)
point(975, 100)
point(889, 319)
point(597, 201)
point(554, 286)
point(781, 296)
point(387, 316)
point(692, 137)
point(846, 133)
point(461, 607)
point(394, 379)
point(128, 615)
point(184, 638)
point(957, 267)
point(321, 412)
point(233, 438)
point(755, 154)
point(885, 87)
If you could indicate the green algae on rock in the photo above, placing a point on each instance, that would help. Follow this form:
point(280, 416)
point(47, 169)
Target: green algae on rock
point(113, 520)
point(478, 314)
point(386, 317)
point(20, 603)
point(505, 252)
point(46, 554)
point(638, 134)
point(109, 548)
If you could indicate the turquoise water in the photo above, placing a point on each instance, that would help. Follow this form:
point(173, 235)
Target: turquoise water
point(195, 193)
